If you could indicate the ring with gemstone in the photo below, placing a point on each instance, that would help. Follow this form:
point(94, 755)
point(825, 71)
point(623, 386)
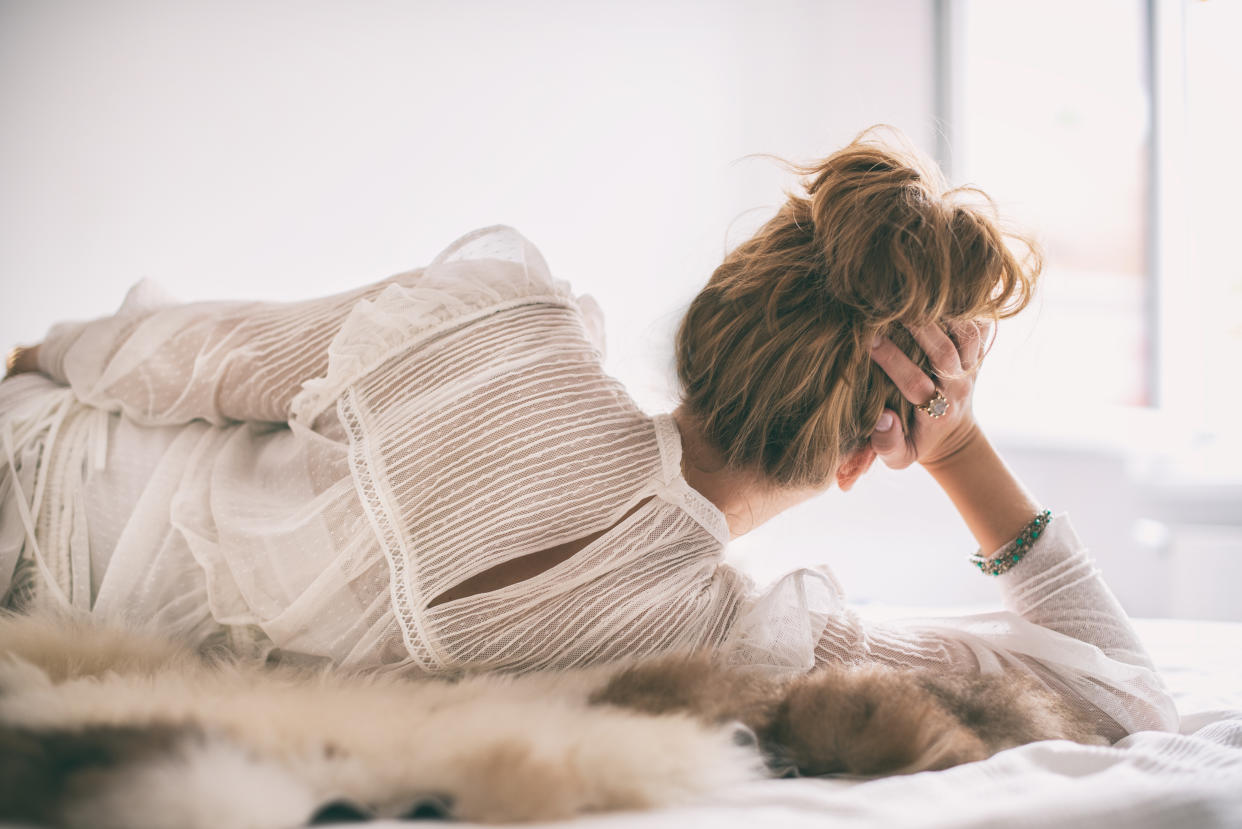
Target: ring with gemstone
point(936, 407)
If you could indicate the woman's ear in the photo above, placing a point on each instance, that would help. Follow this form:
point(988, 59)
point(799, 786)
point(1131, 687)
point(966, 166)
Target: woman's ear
point(854, 465)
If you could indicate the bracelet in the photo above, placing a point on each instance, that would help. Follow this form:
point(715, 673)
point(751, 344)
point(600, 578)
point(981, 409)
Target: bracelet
point(1013, 552)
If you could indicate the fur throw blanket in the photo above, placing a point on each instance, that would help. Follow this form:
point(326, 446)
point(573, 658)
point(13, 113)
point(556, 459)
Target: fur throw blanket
point(106, 728)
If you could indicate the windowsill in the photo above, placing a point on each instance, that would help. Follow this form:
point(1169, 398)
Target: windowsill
point(1180, 474)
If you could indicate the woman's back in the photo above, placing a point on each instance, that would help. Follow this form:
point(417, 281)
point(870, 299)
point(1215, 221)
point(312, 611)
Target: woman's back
point(416, 438)
point(463, 424)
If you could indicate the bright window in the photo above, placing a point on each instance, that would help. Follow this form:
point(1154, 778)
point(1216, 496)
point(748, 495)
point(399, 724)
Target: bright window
point(1211, 312)
point(1051, 117)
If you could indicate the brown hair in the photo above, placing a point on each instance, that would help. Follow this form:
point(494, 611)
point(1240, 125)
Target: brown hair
point(773, 354)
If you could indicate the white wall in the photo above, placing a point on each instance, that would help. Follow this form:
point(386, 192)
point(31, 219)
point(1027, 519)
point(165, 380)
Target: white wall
point(287, 148)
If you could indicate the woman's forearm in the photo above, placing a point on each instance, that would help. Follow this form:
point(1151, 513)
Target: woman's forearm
point(987, 494)
point(164, 363)
point(948, 442)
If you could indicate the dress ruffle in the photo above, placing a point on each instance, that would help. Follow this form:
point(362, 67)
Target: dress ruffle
point(482, 273)
point(780, 628)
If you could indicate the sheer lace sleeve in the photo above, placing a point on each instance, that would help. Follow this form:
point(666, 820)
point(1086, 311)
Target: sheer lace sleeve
point(163, 363)
point(1061, 623)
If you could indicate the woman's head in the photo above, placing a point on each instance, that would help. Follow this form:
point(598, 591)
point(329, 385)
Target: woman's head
point(773, 355)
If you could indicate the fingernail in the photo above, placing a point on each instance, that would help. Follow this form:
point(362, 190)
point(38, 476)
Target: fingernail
point(875, 341)
point(885, 422)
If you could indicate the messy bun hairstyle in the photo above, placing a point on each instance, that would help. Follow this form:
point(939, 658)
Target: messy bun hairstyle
point(774, 354)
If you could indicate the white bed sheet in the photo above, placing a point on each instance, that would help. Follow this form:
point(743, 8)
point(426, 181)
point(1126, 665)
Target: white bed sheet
point(1148, 780)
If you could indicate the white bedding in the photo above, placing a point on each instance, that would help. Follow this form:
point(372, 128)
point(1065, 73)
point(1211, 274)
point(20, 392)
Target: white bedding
point(1149, 779)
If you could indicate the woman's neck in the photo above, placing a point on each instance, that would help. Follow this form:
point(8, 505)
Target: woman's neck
point(747, 499)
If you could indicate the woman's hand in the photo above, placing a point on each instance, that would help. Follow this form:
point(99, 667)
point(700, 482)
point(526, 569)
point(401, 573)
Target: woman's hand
point(990, 499)
point(21, 360)
point(935, 439)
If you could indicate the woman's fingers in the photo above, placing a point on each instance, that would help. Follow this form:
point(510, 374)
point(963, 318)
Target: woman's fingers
point(889, 442)
point(21, 360)
point(986, 330)
point(969, 337)
point(910, 380)
point(939, 348)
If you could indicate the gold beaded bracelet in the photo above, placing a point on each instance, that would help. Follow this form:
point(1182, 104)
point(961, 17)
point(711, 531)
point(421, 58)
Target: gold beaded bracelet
point(1013, 552)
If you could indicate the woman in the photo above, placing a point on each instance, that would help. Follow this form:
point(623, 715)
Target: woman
point(434, 473)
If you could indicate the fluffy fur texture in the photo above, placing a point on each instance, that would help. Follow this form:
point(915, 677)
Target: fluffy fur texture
point(861, 720)
point(105, 729)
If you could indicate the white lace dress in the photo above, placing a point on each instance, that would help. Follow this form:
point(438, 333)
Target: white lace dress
point(308, 477)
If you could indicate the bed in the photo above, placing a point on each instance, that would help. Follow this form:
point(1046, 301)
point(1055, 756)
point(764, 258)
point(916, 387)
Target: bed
point(1150, 779)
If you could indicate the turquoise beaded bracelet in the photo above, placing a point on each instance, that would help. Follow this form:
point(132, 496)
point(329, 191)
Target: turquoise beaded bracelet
point(1013, 552)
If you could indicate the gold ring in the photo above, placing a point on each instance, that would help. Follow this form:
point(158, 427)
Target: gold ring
point(936, 407)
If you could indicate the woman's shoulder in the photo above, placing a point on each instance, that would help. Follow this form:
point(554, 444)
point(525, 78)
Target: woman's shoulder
point(480, 274)
point(490, 264)
point(503, 258)
point(502, 242)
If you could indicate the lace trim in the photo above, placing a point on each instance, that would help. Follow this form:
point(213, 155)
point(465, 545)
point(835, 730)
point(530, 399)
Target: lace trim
point(373, 502)
point(678, 490)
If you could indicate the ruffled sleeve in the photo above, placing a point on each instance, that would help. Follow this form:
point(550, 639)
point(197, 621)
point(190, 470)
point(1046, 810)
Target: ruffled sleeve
point(780, 627)
point(1061, 623)
point(482, 273)
point(162, 362)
